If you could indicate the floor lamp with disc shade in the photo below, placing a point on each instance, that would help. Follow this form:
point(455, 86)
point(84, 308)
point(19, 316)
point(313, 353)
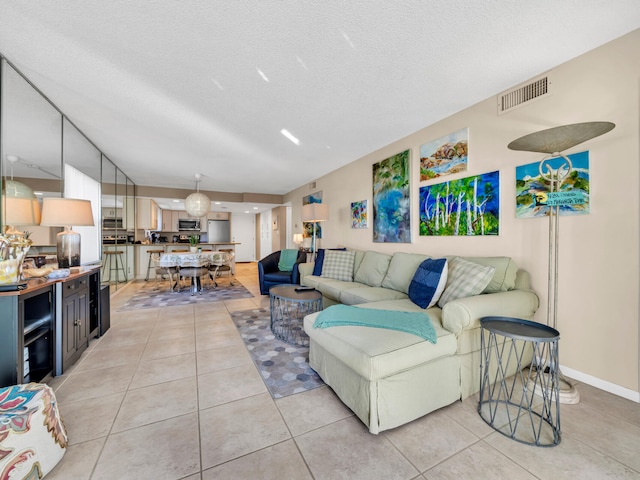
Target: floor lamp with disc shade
point(553, 142)
point(315, 212)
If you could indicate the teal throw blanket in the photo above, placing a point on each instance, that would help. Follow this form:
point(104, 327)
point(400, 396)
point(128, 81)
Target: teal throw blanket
point(287, 260)
point(410, 322)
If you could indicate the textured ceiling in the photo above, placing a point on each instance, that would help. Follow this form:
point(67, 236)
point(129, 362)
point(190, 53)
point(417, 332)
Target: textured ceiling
point(171, 88)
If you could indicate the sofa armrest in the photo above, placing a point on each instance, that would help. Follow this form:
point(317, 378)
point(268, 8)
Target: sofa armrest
point(305, 269)
point(465, 313)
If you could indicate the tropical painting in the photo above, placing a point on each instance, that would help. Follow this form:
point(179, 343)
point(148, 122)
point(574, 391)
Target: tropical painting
point(444, 156)
point(531, 187)
point(391, 202)
point(307, 227)
point(469, 206)
point(359, 214)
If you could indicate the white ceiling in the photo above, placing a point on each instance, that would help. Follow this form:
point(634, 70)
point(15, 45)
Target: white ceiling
point(168, 89)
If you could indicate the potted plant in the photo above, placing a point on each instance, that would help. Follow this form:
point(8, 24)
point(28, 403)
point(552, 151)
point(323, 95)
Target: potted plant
point(193, 242)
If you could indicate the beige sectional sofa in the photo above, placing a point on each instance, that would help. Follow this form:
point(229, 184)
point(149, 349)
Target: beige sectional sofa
point(389, 377)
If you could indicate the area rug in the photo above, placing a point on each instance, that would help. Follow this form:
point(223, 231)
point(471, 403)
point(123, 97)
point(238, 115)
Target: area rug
point(284, 368)
point(148, 297)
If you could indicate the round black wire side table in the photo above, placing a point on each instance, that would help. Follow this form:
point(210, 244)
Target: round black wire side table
point(518, 398)
point(289, 306)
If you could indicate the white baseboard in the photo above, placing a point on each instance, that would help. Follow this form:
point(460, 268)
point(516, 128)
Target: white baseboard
point(601, 384)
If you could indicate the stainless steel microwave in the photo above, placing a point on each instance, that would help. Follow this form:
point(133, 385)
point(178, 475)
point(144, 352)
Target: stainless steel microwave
point(188, 225)
point(112, 223)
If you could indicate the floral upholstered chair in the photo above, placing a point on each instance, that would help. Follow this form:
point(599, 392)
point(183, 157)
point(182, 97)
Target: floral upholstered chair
point(32, 436)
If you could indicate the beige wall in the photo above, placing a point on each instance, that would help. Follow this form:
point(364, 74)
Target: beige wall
point(598, 292)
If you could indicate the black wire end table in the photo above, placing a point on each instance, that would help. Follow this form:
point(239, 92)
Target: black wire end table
point(289, 305)
point(519, 380)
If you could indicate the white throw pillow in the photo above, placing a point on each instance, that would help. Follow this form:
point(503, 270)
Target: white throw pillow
point(465, 279)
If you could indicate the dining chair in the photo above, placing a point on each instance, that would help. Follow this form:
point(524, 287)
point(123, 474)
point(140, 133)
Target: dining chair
point(216, 268)
point(161, 271)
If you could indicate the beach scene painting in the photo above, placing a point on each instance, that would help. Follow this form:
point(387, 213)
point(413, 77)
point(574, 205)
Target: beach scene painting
point(359, 214)
point(391, 199)
point(469, 206)
point(531, 187)
point(444, 156)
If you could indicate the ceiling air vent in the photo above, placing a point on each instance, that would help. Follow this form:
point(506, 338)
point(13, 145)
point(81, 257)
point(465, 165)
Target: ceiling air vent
point(516, 97)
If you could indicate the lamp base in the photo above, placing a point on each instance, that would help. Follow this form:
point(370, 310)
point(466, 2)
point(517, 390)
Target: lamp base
point(68, 248)
point(568, 394)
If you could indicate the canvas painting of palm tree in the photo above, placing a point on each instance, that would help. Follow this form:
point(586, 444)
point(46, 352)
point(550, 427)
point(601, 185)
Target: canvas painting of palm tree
point(469, 206)
point(391, 202)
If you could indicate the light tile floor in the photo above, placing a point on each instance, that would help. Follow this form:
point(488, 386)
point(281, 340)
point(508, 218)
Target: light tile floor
point(172, 394)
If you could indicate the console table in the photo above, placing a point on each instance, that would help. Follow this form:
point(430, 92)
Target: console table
point(524, 406)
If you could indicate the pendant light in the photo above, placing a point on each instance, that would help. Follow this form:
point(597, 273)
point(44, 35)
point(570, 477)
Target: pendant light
point(197, 204)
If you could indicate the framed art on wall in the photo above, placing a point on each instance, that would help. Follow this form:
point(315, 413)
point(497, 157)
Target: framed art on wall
point(445, 155)
point(531, 188)
point(359, 214)
point(469, 206)
point(391, 199)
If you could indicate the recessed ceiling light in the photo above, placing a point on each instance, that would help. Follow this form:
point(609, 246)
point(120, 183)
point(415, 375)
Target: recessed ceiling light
point(217, 203)
point(37, 193)
point(261, 73)
point(176, 201)
point(246, 211)
point(255, 208)
point(288, 134)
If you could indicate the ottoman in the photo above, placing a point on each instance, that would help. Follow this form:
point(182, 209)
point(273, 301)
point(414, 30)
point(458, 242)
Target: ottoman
point(32, 436)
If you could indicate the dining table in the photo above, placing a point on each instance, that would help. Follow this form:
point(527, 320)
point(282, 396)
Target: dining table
point(199, 259)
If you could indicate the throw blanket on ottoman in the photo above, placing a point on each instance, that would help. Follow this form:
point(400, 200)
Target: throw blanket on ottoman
point(32, 437)
point(410, 322)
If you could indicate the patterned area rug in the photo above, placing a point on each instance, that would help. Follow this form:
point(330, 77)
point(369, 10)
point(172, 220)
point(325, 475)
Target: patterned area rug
point(147, 297)
point(284, 368)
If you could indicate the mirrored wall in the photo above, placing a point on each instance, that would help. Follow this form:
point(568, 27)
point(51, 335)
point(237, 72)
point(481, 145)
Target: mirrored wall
point(40, 152)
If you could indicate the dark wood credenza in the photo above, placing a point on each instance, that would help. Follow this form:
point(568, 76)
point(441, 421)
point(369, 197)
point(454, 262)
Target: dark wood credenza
point(45, 328)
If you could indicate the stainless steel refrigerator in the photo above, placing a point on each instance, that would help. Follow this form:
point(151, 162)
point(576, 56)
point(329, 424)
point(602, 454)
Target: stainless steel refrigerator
point(218, 231)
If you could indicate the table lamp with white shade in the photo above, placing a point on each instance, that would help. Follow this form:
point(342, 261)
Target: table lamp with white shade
point(65, 212)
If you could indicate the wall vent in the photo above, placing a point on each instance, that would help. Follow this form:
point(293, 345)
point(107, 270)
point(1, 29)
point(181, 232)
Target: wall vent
point(524, 93)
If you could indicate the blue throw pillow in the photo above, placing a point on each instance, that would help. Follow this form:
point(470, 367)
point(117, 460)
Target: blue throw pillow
point(428, 282)
point(317, 266)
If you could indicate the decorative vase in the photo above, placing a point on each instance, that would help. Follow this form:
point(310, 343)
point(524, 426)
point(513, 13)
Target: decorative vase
point(193, 249)
point(13, 249)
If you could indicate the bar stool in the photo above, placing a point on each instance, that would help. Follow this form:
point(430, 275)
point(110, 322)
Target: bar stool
point(149, 264)
point(111, 256)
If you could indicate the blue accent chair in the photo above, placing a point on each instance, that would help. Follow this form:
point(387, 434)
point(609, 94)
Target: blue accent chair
point(269, 275)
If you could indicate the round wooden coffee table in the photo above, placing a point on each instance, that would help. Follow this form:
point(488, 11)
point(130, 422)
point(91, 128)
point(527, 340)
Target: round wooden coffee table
point(288, 309)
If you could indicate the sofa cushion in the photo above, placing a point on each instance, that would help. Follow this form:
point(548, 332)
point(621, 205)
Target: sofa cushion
point(373, 268)
point(465, 279)
point(338, 265)
point(363, 294)
point(428, 282)
point(376, 353)
point(401, 270)
point(319, 261)
point(329, 287)
point(504, 277)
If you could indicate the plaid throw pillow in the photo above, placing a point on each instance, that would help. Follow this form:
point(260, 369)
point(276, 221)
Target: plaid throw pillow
point(465, 279)
point(338, 265)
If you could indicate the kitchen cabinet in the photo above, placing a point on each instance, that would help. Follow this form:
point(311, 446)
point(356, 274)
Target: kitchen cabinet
point(218, 216)
point(170, 220)
point(26, 336)
point(147, 214)
point(75, 319)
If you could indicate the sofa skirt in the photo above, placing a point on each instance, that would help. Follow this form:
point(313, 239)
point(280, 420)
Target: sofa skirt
point(391, 401)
